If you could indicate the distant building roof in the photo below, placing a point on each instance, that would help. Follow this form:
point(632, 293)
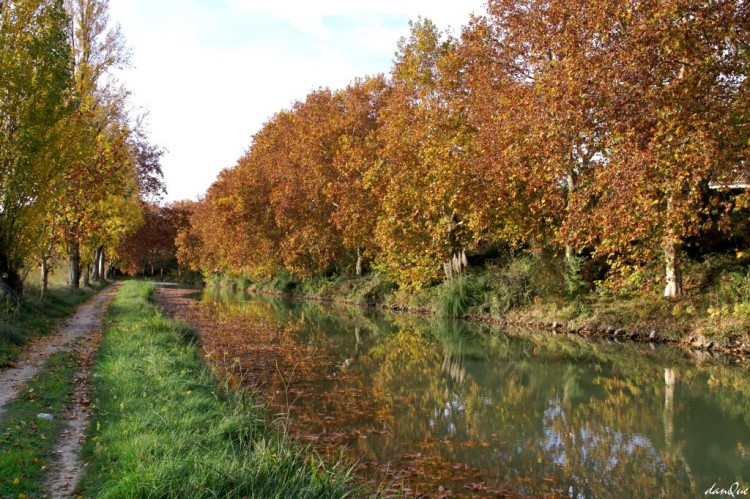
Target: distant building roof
point(740, 180)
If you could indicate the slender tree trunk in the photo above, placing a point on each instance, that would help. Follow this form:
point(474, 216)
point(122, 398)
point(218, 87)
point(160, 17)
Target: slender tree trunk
point(571, 180)
point(74, 264)
point(569, 252)
point(673, 269)
point(672, 257)
point(95, 266)
point(100, 264)
point(95, 274)
point(44, 285)
point(87, 275)
point(358, 269)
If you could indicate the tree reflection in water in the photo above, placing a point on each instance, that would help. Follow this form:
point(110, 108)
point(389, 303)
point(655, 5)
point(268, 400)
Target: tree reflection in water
point(446, 406)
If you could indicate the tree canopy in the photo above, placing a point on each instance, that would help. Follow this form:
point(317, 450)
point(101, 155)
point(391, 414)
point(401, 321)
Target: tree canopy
point(73, 163)
point(581, 126)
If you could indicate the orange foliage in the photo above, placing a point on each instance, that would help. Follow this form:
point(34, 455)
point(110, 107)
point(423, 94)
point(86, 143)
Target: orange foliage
point(589, 125)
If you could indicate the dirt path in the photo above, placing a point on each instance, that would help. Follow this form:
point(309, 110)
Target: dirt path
point(65, 467)
point(87, 318)
point(82, 334)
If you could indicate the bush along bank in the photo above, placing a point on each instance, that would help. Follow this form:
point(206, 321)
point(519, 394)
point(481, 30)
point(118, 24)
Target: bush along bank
point(163, 427)
point(546, 292)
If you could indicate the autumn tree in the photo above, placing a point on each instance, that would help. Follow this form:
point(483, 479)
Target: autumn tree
point(190, 246)
point(356, 207)
point(304, 168)
point(534, 73)
point(232, 229)
point(35, 64)
point(152, 245)
point(422, 178)
point(297, 200)
point(102, 171)
point(150, 181)
point(676, 84)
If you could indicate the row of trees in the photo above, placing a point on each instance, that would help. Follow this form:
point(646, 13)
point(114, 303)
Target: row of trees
point(151, 249)
point(74, 168)
point(583, 125)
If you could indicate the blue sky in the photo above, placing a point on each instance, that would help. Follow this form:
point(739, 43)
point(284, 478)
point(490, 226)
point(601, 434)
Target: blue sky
point(210, 73)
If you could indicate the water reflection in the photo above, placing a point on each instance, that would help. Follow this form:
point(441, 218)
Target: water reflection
point(449, 407)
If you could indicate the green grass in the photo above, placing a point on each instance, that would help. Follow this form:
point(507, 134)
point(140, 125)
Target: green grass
point(25, 440)
point(164, 428)
point(36, 316)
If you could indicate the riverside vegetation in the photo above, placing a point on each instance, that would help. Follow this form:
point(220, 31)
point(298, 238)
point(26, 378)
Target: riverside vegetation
point(541, 290)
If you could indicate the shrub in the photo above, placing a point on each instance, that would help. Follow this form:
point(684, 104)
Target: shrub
point(374, 289)
point(242, 282)
point(713, 269)
point(509, 287)
point(283, 282)
point(733, 288)
point(456, 295)
point(11, 335)
point(574, 284)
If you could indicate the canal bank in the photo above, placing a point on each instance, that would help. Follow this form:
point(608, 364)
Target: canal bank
point(713, 318)
point(165, 426)
point(440, 407)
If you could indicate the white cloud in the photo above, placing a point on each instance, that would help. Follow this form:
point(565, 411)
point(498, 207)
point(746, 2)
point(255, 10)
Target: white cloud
point(308, 16)
point(210, 77)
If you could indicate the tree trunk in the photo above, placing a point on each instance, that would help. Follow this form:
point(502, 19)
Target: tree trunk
point(87, 275)
point(358, 268)
point(11, 284)
point(74, 264)
point(45, 278)
point(571, 180)
point(95, 267)
point(95, 275)
point(102, 273)
point(674, 273)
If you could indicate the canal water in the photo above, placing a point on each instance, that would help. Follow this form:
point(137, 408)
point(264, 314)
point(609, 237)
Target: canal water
point(449, 408)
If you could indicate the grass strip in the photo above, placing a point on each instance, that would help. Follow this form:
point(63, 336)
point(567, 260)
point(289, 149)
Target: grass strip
point(25, 440)
point(36, 317)
point(164, 428)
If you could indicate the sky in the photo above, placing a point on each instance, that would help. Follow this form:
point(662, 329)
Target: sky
point(210, 73)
